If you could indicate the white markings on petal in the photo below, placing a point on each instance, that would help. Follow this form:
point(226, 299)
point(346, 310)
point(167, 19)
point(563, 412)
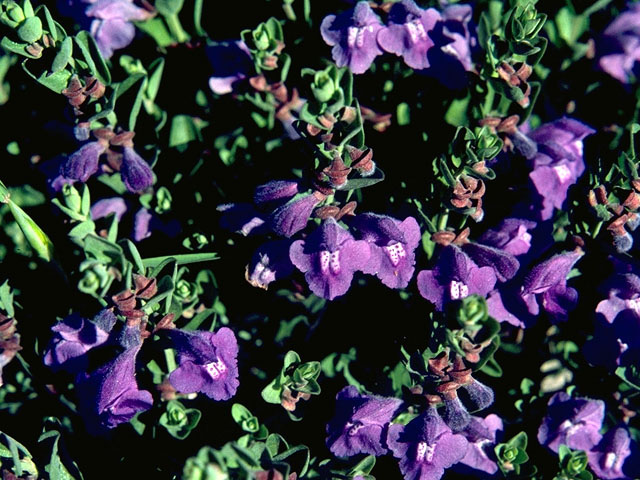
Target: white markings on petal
point(458, 290)
point(416, 31)
point(352, 34)
point(609, 460)
point(425, 452)
point(330, 261)
point(353, 428)
point(215, 369)
point(634, 304)
point(563, 173)
point(325, 259)
point(335, 262)
point(395, 252)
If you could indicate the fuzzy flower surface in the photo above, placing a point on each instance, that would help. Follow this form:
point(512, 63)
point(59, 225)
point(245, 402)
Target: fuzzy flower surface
point(608, 457)
point(360, 423)
point(352, 35)
point(619, 46)
point(574, 422)
point(83, 163)
point(481, 435)
point(329, 257)
point(511, 235)
point(136, 172)
point(454, 277)
point(392, 244)
point(426, 446)
point(407, 35)
point(269, 262)
point(207, 362)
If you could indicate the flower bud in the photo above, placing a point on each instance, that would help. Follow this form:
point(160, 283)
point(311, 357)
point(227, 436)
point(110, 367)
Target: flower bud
point(72, 198)
point(83, 163)
point(623, 243)
point(480, 396)
point(323, 87)
point(136, 173)
point(30, 31)
point(455, 414)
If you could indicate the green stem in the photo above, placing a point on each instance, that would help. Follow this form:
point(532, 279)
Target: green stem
point(288, 10)
point(175, 27)
point(170, 357)
point(442, 221)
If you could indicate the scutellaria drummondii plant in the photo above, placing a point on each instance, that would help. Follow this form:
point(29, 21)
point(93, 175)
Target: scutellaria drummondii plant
point(326, 240)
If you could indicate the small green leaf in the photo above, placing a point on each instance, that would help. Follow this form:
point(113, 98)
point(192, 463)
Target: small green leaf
point(183, 259)
point(63, 56)
point(93, 57)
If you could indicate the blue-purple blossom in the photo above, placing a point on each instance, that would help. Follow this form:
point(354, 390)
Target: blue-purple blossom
point(558, 163)
point(458, 27)
point(231, 62)
point(360, 423)
point(504, 264)
point(290, 218)
point(275, 192)
point(618, 48)
point(392, 244)
point(74, 337)
point(454, 277)
point(112, 27)
point(269, 262)
point(407, 34)
point(136, 173)
point(83, 163)
point(328, 257)
point(481, 435)
point(352, 34)
point(511, 235)
point(426, 446)
point(145, 222)
point(574, 422)
point(207, 362)
point(608, 457)
point(107, 206)
point(242, 218)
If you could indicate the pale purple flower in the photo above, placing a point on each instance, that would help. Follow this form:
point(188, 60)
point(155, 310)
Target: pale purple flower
point(624, 295)
point(458, 27)
point(511, 235)
point(74, 337)
point(207, 362)
point(608, 457)
point(352, 34)
point(407, 35)
point(231, 62)
point(290, 218)
point(558, 163)
point(107, 206)
point(275, 192)
point(328, 257)
point(241, 218)
point(500, 312)
point(146, 222)
point(269, 262)
point(83, 163)
point(426, 446)
point(136, 173)
point(454, 277)
point(481, 435)
point(574, 422)
point(619, 47)
point(392, 244)
point(546, 286)
point(112, 27)
point(360, 423)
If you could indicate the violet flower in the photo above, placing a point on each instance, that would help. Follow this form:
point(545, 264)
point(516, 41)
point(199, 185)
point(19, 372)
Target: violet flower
point(504, 264)
point(426, 446)
point(328, 257)
point(241, 218)
point(352, 34)
point(293, 216)
point(360, 423)
point(112, 27)
point(146, 222)
point(455, 277)
point(136, 173)
point(407, 35)
point(74, 337)
point(558, 163)
point(231, 62)
point(608, 457)
point(269, 262)
point(275, 192)
point(481, 435)
point(619, 47)
point(624, 295)
point(546, 285)
point(392, 244)
point(458, 27)
point(107, 206)
point(207, 362)
point(511, 235)
point(574, 422)
point(83, 163)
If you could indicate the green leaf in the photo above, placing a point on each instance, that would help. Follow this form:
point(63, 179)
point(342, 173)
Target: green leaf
point(362, 182)
point(153, 86)
point(36, 237)
point(169, 7)
point(82, 229)
point(272, 392)
point(157, 30)
point(183, 130)
point(103, 250)
point(183, 259)
point(132, 250)
point(16, 47)
point(6, 298)
point(93, 57)
point(55, 81)
point(240, 413)
point(63, 56)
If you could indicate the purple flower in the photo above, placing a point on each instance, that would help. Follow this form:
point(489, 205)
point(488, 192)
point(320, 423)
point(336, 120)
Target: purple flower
point(360, 423)
point(546, 284)
point(270, 262)
point(455, 277)
point(619, 47)
point(504, 264)
point(353, 37)
point(276, 191)
point(146, 222)
point(74, 337)
point(512, 235)
point(624, 295)
point(110, 395)
point(574, 422)
point(457, 27)
point(136, 173)
point(328, 257)
point(208, 362)
point(83, 163)
point(241, 218)
point(408, 33)
point(293, 216)
point(426, 446)
point(392, 244)
point(112, 27)
point(607, 458)
point(231, 62)
point(107, 206)
point(481, 435)
point(558, 163)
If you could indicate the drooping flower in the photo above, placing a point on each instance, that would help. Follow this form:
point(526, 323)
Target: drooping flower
point(352, 34)
point(574, 422)
point(618, 48)
point(107, 206)
point(83, 163)
point(481, 435)
point(293, 216)
point(511, 235)
point(136, 173)
point(269, 262)
point(546, 286)
point(608, 457)
point(392, 244)
point(231, 62)
point(112, 27)
point(328, 257)
point(207, 362)
point(407, 35)
point(360, 423)
point(426, 446)
point(275, 192)
point(455, 277)
point(74, 337)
